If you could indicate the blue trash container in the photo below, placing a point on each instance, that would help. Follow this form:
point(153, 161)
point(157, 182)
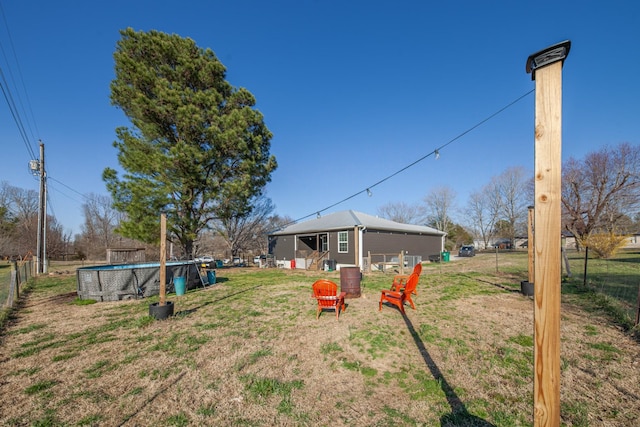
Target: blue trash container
point(211, 277)
point(180, 285)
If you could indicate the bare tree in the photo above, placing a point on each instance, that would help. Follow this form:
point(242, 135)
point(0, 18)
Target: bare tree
point(512, 196)
point(58, 241)
point(100, 222)
point(481, 214)
point(243, 231)
point(402, 212)
point(601, 191)
point(439, 206)
point(23, 206)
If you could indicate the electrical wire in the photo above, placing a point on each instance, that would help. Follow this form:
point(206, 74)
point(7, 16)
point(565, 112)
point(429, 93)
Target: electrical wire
point(6, 91)
point(66, 186)
point(435, 152)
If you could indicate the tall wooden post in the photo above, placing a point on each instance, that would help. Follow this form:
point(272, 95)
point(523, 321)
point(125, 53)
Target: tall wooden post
point(546, 69)
point(530, 244)
point(163, 259)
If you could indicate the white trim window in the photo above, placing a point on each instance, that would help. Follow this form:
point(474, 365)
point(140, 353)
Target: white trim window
point(343, 242)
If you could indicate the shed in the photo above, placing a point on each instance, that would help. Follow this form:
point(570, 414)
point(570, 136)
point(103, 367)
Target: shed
point(347, 238)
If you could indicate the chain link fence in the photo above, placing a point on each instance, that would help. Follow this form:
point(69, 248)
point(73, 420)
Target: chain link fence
point(617, 277)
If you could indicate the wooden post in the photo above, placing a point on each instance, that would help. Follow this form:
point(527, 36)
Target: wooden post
point(638, 310)
point(530, 244)
point(546, 69)
point(356, 244)
point(586, 260)
point(163, 259)
point(18, 279)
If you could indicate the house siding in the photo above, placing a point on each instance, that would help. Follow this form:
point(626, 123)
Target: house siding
point(388, 242)
point(282, 247)
point(342, 258)
point(374, 241)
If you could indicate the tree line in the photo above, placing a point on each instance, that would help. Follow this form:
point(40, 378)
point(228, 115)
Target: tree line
point(600, 194)
point(600, 197)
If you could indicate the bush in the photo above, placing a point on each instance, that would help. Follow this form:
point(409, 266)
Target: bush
point(605, 245)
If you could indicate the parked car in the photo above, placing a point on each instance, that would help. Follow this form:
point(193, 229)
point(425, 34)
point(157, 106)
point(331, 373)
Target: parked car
point(467, 250)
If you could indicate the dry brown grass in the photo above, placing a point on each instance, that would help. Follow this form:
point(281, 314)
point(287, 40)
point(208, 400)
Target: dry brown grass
point(249, 351)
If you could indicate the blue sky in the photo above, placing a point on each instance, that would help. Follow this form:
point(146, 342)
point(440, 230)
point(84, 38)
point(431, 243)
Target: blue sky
point(353, 91)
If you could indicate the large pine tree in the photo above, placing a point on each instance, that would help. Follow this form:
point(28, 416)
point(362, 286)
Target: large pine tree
point(195, 143)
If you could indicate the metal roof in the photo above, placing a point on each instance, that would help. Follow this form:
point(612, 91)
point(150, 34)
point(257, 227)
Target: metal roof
point(349, 219)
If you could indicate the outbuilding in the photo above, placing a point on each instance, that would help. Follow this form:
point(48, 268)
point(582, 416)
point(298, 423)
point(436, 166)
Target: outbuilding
point(350, 238)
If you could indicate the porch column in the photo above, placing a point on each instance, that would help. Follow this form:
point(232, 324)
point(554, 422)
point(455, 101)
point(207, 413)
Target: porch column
point(356, 244)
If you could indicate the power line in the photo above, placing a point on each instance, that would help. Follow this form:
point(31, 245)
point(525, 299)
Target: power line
point(15, 115)
point(435, 152)
point(6, 91)
point(66, 186)
point(20, 75)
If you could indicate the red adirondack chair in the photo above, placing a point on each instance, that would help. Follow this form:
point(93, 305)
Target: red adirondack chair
point(326, 293)
point(398, 298)
point(400, 280)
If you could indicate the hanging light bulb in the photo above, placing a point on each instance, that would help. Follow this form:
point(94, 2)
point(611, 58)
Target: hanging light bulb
point(318, 215)
point(369, 193)
point(437, 154)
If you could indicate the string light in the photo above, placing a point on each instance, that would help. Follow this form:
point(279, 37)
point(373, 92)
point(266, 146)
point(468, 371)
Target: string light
point(436, 154)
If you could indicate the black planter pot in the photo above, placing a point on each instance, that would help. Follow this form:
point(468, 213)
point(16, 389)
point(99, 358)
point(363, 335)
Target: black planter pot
point(161, 312)
point(526, 288)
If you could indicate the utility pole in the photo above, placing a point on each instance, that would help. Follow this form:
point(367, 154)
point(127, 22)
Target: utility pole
point(41, 255)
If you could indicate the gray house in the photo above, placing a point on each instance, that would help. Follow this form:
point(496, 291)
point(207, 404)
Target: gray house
point(349, 238)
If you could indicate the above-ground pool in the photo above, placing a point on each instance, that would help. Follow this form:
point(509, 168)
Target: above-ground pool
point(129, 281)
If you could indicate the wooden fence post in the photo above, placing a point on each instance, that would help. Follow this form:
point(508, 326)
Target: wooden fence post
point(18, 279)
point(546, 69)
point(163, 259)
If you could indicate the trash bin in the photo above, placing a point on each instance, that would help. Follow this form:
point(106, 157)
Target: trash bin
point(445, 256)
point(329, 264)
point(180, 285)
point(211, 277)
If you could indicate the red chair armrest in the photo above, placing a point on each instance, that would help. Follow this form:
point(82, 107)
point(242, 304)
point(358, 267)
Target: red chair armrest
point(392, 293)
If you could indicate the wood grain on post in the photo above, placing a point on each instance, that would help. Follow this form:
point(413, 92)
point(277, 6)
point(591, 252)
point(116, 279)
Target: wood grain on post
point(530, 245)
point(547, 267)
point(163, 259)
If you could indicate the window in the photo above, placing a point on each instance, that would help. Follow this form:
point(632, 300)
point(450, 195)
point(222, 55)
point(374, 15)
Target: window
point(343, 242)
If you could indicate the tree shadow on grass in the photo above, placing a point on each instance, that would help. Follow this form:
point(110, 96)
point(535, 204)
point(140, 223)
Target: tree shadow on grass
point(459, 415)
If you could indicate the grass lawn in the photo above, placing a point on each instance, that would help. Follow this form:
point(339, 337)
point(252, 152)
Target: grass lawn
point(250, 352)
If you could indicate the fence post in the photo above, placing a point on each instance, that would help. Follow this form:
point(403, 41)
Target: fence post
point(15, 268)
point(638, 310)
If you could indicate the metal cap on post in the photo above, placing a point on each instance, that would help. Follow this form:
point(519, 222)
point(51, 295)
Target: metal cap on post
point(549, 55)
